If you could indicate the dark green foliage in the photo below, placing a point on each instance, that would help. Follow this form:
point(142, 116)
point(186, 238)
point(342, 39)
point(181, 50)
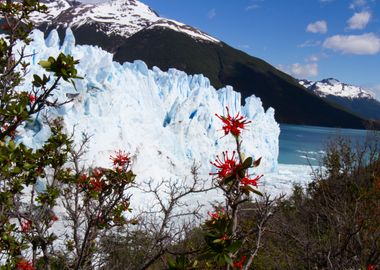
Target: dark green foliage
point(335, 222)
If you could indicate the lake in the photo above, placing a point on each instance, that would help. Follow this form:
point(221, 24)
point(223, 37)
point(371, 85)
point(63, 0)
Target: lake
point(300, 144)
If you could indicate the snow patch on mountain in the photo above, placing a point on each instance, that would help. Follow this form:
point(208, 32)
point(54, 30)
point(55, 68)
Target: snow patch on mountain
point(334, 87)
point(54, 9)
point(180, 27)
point(115, 17)
point(165, 119)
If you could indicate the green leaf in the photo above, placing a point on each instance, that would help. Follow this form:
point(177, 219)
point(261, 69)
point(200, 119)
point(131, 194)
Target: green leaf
point(227, 259)
point(234, 246)
point(44, 64)
point(257, 162)
point(247, 163)
point(257, 192)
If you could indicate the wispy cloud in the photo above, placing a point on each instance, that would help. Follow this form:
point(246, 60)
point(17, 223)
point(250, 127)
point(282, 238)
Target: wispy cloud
point(359, 20)
point(300, 71)
point(364, 44)
point(211, 14)
point(312, 58)
point(317, 27)
point(244, 46)
point(358, 4)
point(309, 43)
point(255, 4)
point(304, 71)
point(252, 7)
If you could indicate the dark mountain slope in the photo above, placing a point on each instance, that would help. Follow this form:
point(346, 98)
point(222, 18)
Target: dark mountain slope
point(224, 65)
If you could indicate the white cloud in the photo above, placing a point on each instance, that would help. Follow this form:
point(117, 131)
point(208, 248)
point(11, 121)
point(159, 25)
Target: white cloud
point(354, 44)
point(244, 46)
point(358, 4)
point(255, 4)
point(309, 43)
point(300, 71)
point(312, 58)
point(303, 71)
point(317, 27)
point(212, 13)
point(251, 7)
point(359, 20)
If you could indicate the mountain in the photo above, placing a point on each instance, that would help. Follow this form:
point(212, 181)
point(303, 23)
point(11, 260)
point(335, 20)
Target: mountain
point(131, 30)
point(353, 98)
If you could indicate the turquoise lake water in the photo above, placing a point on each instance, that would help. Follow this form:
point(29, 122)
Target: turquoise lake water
point(300, 144)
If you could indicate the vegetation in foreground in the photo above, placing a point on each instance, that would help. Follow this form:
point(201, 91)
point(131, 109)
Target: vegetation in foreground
point(332, 224)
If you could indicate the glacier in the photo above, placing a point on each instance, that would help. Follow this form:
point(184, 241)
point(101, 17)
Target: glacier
point(166, 120)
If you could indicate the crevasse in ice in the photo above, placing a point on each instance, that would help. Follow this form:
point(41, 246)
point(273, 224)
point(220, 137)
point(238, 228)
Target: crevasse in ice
point(166, 120)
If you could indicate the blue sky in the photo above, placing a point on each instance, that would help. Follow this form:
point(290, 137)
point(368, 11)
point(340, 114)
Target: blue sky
point(313, 39)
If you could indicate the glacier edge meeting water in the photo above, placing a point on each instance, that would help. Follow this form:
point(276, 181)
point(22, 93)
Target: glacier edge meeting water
point(165, 119)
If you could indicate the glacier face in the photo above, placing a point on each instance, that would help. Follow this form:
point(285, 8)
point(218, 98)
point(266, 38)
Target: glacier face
point(166, 120)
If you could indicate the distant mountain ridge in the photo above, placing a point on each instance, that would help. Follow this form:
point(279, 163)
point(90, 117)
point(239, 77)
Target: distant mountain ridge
point(353, 98)
point(131, 30)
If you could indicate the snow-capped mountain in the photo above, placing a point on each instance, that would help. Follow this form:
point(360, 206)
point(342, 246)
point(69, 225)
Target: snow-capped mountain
point(115, 17)
point(131, 30)
point(334, 87)
point(352, 98)
point(165, 119)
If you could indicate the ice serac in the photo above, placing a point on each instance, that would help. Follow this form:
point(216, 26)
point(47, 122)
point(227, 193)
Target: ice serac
point(165, 119)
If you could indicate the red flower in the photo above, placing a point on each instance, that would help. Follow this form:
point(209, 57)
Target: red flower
point(218, 214)
point(54, 218)
point(120, 160)
point(96, 184)
point(224, 237)
point(97, 173)
point(233, 124)
point(24, 265)
point(26, 225)
point(226, 167)
point(246, 181)
point(240, 263)
point(32, 98)
point(371, 267)
point(82, 180)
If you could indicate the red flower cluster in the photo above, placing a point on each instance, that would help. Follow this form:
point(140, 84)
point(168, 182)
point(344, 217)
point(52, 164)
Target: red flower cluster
point(240, 263)
point(233, 124)
point(54, 218)
point(96, 182)
point(253, 182)
point(217, 215)
point(24, 265)
point(26, 225)
point(371, 267)
point(226, 167)
point(82, 181)
point(32, 98)
point(120, 160)
point(224, 237)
